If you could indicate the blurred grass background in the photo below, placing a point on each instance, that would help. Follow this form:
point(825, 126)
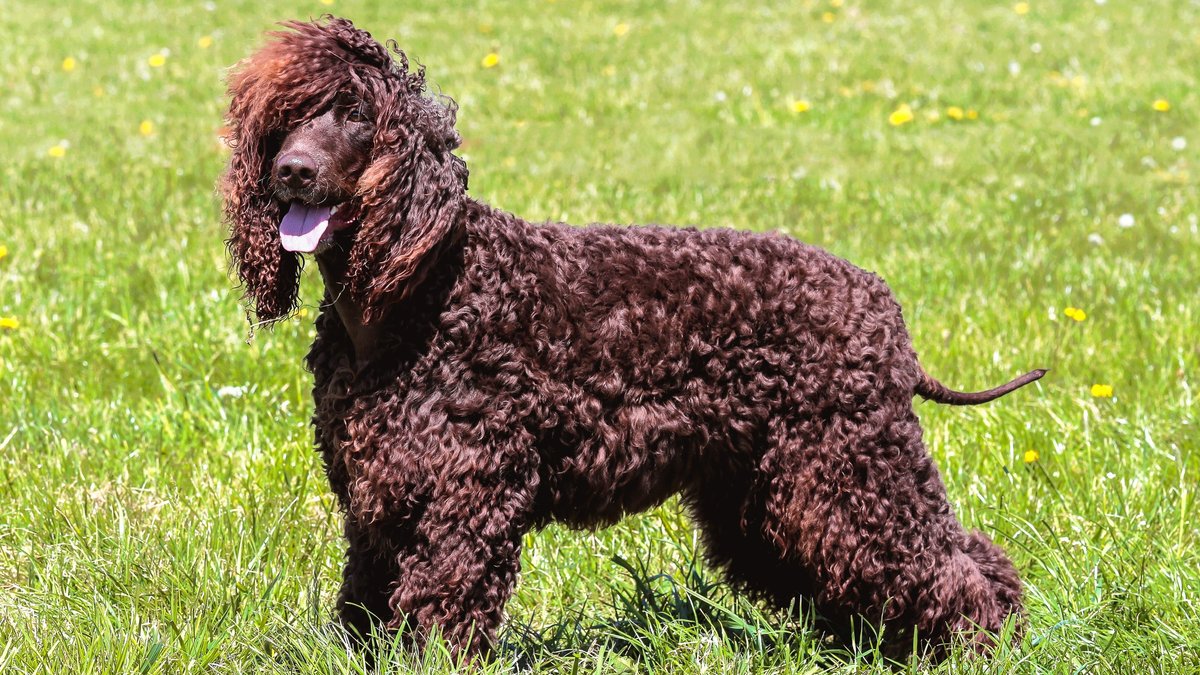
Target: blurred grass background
point(162, 511)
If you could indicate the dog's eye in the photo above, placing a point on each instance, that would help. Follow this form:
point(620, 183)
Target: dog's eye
point(356, 115)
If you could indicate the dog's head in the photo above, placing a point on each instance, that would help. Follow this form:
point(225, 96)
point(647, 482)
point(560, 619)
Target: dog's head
point(338, 149)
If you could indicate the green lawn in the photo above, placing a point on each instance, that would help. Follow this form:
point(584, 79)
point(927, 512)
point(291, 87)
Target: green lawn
point(162, 510)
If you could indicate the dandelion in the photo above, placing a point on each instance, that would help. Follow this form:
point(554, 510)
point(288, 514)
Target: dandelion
point(620, 29)
point(69, 64)
point(9, 322)
point(955, 113)
point(1031, 456)
point(1179, 143)
point(58, 150)
point(491, 60)
point(933, 115)
point(146, 128)
point(1021, 8)
point(609, 70)
point(900, 116)
point(828, 17)
point(972, 114)
point(1102, 390)
point(157, 60)
point(801, 106)
point(1126, 221)
point(3, 251)
point(205, 42)
point(326, 2)
point(1075, 313)
point(1161, 105)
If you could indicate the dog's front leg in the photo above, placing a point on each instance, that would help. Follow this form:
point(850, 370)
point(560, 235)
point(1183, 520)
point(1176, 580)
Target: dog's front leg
point(369, 572)
point(460, 569)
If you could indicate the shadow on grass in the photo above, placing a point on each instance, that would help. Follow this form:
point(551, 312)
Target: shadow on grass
point(651, 617)
point(654, 622)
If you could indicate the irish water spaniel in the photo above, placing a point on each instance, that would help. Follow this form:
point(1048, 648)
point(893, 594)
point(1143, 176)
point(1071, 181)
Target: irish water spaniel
point(479, 376)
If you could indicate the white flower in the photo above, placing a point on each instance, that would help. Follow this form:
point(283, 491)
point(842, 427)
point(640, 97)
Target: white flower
point(231, 392)
point(1126, 220)
point(1179, 143)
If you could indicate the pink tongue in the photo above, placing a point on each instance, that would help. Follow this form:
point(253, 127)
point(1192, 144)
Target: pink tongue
point(303, 227)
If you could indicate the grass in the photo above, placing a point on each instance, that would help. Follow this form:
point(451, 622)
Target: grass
point(162, 511)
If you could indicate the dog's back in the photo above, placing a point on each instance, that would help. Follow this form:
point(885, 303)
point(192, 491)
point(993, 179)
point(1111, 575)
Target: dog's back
point(646, 355)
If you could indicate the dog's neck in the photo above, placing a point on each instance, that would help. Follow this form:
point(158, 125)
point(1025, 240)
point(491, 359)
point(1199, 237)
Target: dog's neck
point(333, 265)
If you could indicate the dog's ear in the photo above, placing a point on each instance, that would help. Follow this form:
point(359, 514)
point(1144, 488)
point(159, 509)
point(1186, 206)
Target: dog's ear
point(270, 275)
point(412, 195)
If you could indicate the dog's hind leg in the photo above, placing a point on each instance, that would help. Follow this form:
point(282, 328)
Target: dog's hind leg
point(729, 512)
point(855, 499)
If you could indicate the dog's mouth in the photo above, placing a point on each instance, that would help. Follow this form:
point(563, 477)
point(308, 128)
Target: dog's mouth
point(306, 228)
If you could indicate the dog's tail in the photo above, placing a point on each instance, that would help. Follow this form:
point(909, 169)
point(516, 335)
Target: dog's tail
point(933, 390)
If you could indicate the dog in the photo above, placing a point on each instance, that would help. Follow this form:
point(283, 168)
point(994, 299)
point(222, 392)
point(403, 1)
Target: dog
point(478, 376)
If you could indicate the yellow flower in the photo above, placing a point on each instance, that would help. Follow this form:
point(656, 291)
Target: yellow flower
point(302, 313)
point(1102, 390)
point(1021, 8)
point(828, 17)
point(954, 112)
point(933, 115)
point(972, 114)
point(157, 60)
point(800, 106)
point(205, 42)
point(510, 162)
point(98, 91)
point(1075, 313)
point(326, 2)
point(57, 150)
point(146, 128)
point(3, 251)
point(1162, 105)
point(901, 115)
point(9, 322)
point(620, 29)
point(491, 60)
point(69, 64)
point(835, 3)
point(1031, 456)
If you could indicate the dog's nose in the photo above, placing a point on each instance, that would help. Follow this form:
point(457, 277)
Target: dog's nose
point(297, 170)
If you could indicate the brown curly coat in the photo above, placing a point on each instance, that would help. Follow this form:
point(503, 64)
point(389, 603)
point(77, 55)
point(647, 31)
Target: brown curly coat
point(478, 376)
